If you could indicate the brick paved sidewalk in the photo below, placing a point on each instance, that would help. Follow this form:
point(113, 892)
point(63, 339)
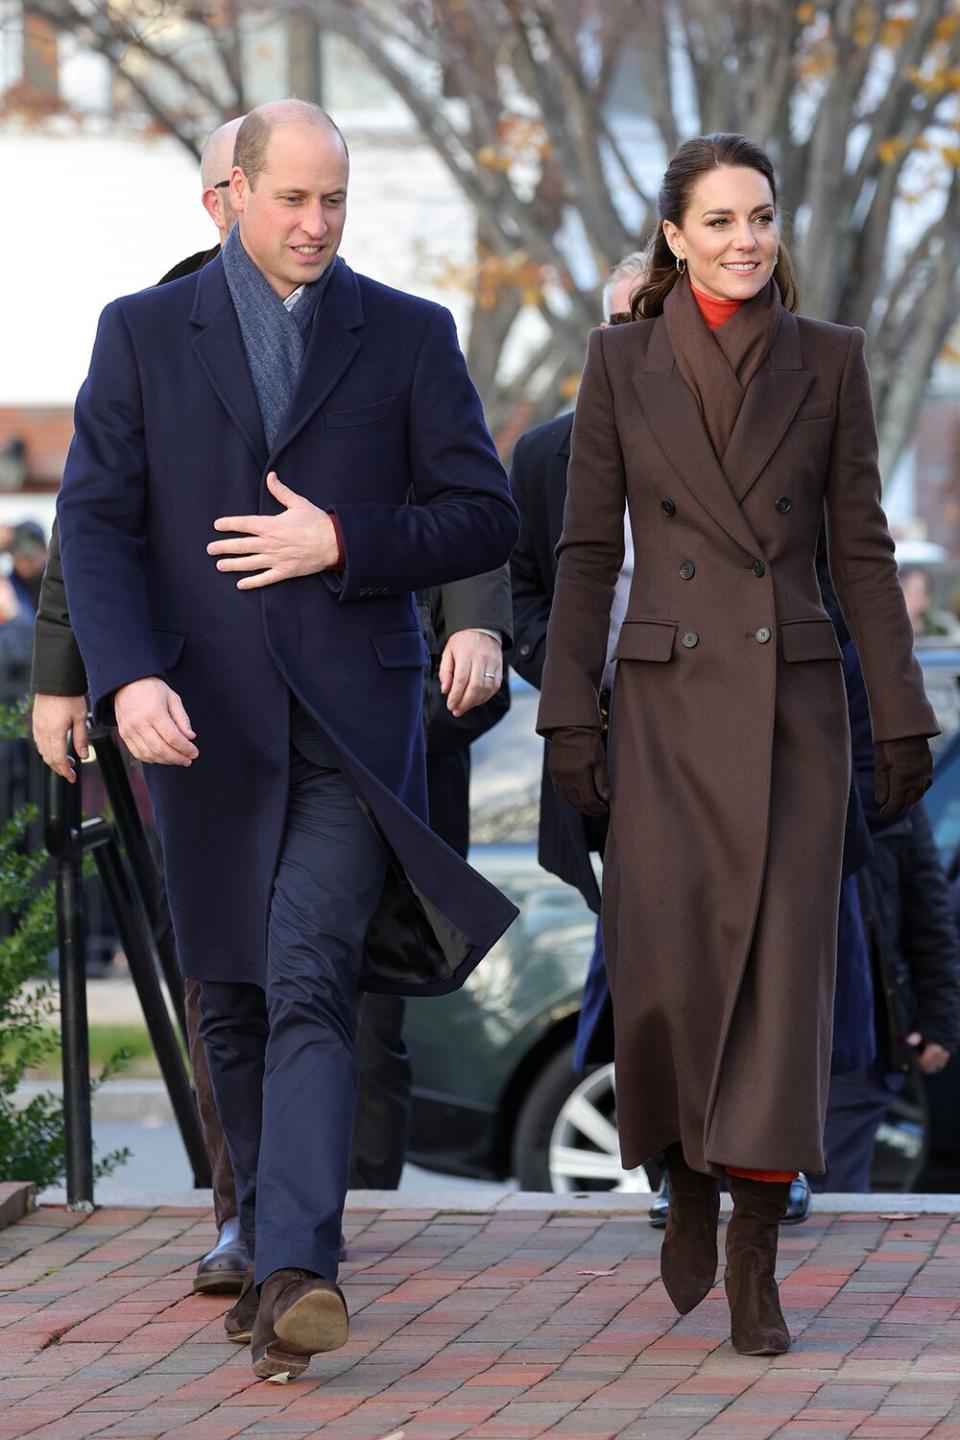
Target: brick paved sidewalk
point(496, 1324)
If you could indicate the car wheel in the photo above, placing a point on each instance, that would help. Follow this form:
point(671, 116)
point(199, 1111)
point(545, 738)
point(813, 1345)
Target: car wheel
point(566, 1135)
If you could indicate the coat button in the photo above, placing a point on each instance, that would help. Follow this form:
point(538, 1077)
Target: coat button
point(687, 570)
point(689, 638)
point(524, 649)
point(784, 504)
point(762, 635)
point(668, 507)
point(759, 569)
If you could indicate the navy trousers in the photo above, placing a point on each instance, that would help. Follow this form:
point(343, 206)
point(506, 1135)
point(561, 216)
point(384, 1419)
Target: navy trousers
point(283, 1061)
point(858, 1102)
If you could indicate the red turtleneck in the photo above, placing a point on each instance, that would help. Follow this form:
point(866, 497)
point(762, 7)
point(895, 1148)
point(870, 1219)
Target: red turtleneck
point(715, 312)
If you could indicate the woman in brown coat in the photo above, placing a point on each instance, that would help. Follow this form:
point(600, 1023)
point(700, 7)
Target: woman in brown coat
point(728, 426)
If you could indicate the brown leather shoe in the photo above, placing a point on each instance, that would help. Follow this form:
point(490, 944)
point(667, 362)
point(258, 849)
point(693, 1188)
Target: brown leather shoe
point(688, 1256)
point(238, 1321)
point(222, 1269)
point(300, 1315)
point(757, 1326)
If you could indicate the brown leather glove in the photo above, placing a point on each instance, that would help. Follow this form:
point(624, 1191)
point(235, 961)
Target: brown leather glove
point(577, 761)
point(904, 772)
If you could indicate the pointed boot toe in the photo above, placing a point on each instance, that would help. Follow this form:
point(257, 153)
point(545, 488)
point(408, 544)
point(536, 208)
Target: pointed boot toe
point(688, 1256)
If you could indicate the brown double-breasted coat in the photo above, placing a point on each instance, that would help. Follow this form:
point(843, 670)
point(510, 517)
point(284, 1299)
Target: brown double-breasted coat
point(728, 744)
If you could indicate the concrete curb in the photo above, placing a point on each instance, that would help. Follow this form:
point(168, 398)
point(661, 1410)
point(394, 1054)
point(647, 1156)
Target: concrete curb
point(17, 1199)
point(495, 1199)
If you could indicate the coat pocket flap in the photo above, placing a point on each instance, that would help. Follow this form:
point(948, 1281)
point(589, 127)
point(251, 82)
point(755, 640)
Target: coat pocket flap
point(396, 648)
point(169, 645)
point(645, 640)
point(815, 410)
point(809, 640)
point(364, 415)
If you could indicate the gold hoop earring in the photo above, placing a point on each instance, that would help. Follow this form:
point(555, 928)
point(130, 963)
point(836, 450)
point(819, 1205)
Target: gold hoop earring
point(681, 265)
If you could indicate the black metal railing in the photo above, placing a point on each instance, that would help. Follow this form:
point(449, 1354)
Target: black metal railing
point(135, 896)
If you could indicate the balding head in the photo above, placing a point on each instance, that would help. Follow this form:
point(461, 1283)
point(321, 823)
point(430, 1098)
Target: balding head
point(216, 163)
point(253, 137)
point(216, 157)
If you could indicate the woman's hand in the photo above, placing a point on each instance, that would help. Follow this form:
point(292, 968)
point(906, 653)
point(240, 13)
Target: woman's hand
point(577, 762)
point(904, 772)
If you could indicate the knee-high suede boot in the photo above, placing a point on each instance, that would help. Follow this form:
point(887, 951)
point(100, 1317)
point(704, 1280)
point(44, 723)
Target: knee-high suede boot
point(757, 1325)
point(688, 1257)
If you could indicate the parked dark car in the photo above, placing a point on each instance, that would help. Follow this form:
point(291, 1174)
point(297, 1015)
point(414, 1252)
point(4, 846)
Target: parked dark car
point(495, 1094)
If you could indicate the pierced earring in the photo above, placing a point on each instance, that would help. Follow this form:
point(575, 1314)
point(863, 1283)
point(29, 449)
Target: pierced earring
point(681, 265)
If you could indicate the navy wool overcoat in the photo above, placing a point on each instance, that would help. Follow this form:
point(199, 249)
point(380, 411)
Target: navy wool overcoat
point(169, 438)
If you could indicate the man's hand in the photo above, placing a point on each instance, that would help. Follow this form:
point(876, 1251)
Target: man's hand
point(929, 1057)
point(302, 540)
point(54, 717)
point(153, 723)
point(471, 670)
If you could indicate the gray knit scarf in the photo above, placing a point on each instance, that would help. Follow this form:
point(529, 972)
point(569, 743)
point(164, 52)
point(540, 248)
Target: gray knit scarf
point(274, 338)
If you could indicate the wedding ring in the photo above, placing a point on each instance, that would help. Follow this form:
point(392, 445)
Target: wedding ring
point(489, 674)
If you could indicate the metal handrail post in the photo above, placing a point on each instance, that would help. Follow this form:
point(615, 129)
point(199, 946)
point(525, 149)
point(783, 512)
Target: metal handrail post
point(62, 835)
point(141, 863)
point(136, 937)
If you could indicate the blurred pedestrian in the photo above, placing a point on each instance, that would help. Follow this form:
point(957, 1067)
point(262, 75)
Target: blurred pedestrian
point(925, 618)
point(914, 949)
point(913, 937)
point(725, 422)
point(28, 552)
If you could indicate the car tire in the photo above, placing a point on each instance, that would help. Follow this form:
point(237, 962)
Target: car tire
point(565, 1137)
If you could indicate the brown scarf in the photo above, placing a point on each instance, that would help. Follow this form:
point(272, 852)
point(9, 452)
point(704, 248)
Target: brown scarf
point(719, 366)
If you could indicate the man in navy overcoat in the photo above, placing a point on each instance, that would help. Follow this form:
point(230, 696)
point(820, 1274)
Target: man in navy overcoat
point(270, 456)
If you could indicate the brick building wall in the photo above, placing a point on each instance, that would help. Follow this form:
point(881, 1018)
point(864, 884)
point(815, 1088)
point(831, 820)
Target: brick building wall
point(46, 431)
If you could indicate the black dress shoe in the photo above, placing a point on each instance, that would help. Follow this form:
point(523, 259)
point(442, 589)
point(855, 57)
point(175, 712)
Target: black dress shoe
point(222, 1269)
point(800, 1201)
point(660, 1209)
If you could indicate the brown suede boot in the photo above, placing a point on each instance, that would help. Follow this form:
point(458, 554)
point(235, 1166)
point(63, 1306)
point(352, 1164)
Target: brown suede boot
point(238, 1321)
point(300, 1314)
point(757, 1326)
point(688, 1256)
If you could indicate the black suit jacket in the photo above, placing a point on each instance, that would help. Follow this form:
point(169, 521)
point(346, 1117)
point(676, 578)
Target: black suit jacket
point(539, 482)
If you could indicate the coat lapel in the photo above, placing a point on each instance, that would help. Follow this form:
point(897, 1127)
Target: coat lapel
point(771, 402)
point(331, 348)
point(219, 349)
point(674, 417)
